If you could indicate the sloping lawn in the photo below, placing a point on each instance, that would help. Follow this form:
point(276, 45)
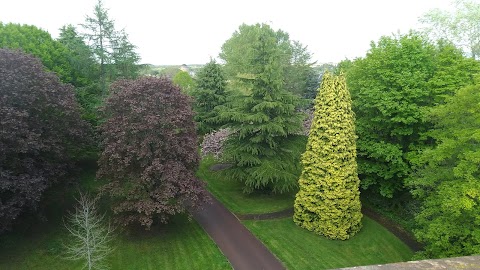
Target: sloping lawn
point(182, 244)
point(230, 193)
point(298, 248)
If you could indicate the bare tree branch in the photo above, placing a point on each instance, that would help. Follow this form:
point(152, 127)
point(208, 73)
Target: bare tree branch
point(90, 236)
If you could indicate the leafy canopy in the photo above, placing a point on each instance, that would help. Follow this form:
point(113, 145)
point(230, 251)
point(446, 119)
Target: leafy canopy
point(149, 151)
point(390, 91)
point(459, 26)
point(41, 133)
point(392, 88)
point(183, 80)
point(447, 179)
point(53, 54)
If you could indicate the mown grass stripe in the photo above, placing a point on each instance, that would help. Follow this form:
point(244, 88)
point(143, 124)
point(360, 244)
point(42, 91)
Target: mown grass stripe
point(301, 249)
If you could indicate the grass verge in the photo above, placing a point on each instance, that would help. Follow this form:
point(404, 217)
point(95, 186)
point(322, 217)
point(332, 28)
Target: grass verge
point(181, 244)
point(298, 248)
point(231, 195)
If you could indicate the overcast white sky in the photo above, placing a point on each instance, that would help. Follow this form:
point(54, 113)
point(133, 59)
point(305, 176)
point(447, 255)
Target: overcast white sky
point(192, 31)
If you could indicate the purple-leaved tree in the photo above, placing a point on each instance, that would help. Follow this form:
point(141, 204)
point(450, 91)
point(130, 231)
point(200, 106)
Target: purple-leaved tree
point(149, 151)
point(40, 131)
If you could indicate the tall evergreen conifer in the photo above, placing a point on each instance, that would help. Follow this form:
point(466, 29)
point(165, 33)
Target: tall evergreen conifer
point(209, 93)
point(263, 146)
point(328, 202)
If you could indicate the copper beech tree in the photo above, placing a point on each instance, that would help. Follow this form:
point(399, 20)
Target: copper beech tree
point(40, 132)
point(149, 151)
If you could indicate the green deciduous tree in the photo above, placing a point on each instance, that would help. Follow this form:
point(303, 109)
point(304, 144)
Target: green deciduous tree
point(263, 146)
point(300, 77)
point(389, 90)
point(328, 202)
point(459, 26)
point(447, 180)
point(183, 80)
point(293, 58)
point(53, 54)
point(238, 52)
point(453, 70)
point(81, 58)
point(209, 93)
point(392, 88)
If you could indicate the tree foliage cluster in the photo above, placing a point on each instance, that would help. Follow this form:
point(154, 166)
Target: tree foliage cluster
point(150, 151)
point(209, 93)
point(328, 202)
point(416, 109)
point(294, 59)
point(54, 55)
point(261, 114)
point(459, 26)
point(447, 178)
point(82, 59)
point(89, 58)
point(41, 133)
point(392, 88)
point(184, 81)
point(111, 48)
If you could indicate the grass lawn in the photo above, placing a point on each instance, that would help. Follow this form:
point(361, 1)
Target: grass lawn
point(298, 248)
point(231, 195)
point(182, 244)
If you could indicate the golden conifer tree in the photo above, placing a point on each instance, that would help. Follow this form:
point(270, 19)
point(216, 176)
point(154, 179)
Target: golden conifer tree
point(328, 202)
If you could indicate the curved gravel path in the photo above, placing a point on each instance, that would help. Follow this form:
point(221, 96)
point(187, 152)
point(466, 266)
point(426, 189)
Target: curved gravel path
point(238, 244)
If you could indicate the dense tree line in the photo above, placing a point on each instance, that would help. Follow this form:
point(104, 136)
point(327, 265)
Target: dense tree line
point(392, 89)
point(415, 102)
point(42, 135)
point(53, 54)
point(409, 96)
point(447, 178)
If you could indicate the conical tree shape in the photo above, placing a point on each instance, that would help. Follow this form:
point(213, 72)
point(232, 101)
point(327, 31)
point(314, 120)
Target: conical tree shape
point(328, 202)
point(209, 93)
point(264, 147)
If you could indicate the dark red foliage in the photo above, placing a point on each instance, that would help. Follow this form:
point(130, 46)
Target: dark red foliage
point(149, 151)
point(40, 128)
